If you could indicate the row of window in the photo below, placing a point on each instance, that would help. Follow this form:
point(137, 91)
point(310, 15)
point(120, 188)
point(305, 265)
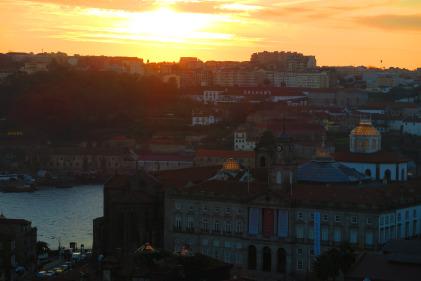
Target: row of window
point(390, 219)
point(217, 226)
point(337, 235)
point(206, 209)
point(337, 218)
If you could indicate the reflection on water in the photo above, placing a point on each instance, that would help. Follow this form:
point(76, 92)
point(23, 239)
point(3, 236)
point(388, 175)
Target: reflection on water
point(63, 214)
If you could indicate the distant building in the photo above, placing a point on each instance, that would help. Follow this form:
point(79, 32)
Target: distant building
point(203, 119)
point(299, 79)
point(245, 137)
point(284, 61)
point(337, 97)
point(211, 157)
point(153, 162)
point(34, 67)
point(411, 126)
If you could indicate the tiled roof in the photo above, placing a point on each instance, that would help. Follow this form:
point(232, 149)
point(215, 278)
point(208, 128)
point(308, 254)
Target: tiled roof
point(224, 153)
point(164, 157)
point(377, 157)
point(180, 178)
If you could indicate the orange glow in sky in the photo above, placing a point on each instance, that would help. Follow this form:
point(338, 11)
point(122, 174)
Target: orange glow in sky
point(337, 32)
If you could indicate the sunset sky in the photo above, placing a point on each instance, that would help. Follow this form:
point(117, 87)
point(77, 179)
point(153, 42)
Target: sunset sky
point(338, 32)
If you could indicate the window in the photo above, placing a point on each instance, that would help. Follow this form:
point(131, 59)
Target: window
point(190, 223)
point(353, 236)
point(239, 228)
point(337, 235)
point(227, 227)
point(205, 225)
point(300, 264)
point(312, 216)
point(228, 210)
point(299, 251)
point(178, 222)
point(300, 216)
point(337, 218)
point(311, 233)
point(325, 217)
point(369, 238)
point(216, 226)
point(369, 220)
point(300, 232)
point(325, 234)
point(354, 219)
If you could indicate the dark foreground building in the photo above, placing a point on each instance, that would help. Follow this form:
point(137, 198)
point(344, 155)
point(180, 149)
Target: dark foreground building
point(17, 247)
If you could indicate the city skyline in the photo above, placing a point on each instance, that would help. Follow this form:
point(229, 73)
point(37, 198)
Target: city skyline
point(384, 33)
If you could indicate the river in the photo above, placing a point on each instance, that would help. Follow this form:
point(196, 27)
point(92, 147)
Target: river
point(60, 214)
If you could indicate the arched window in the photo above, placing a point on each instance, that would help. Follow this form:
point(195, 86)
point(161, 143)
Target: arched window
point(262, 162)
point(252, 257)
point(368, 173)
point(267, 259)
point(278, 177)
point(387, 175)
point(282, 260)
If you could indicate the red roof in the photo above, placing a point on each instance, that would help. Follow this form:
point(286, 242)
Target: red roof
point(164, 157)
point(179, 178)
point(378, 157)
point(224, 153)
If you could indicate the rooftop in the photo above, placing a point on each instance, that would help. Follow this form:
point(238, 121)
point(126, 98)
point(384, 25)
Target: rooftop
point(328, 171)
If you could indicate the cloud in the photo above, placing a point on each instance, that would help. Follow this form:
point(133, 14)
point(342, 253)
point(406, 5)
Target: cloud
point(400, 22)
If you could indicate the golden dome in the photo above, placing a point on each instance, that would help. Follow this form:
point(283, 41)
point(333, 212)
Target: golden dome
point(365, 128)
point(231, 165)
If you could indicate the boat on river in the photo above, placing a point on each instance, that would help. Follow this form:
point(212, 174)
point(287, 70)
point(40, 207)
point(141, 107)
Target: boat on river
point(17, 183)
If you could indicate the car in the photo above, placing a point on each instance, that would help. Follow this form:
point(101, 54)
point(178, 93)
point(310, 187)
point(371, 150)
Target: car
point(58, 270)
point(50, 273)
point(65, 267)
point(41, 274)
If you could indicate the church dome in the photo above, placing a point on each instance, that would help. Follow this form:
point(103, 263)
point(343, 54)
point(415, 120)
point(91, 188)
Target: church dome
point(231, 165)
point(364, 138)
point(365, 128)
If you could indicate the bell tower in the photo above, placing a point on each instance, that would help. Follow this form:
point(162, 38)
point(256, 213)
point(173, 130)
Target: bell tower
point(282, 172)
point(277, 156)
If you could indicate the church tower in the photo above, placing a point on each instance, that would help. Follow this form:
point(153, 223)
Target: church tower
point(277, 156)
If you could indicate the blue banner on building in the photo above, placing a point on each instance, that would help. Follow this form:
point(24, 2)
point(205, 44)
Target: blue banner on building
point(317, 234)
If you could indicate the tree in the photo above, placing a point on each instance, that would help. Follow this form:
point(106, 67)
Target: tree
point(42, 247)
point(328, 265)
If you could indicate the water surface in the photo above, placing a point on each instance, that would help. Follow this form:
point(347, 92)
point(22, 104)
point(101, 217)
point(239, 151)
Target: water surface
point(60, 214)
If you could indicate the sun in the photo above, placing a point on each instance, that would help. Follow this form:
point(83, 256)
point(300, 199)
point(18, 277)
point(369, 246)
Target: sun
point(167, 25)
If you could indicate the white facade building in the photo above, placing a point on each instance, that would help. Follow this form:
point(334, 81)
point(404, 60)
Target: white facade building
point(242, 143)
point(203, 119)
point(366, 156)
